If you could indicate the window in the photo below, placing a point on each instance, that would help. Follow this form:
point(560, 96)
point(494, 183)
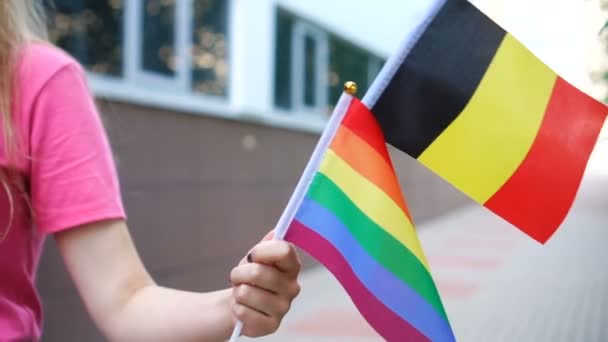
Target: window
point(158, 43)
point(301, 54)
point(312, 66)
point(282, 75)
point(176, 45)
point(92, 31)
point(310, 72)
point(309, 54)
point(210, 47)
point(347, 63)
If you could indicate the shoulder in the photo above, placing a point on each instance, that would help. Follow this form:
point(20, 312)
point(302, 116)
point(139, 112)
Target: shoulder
point(39, 62)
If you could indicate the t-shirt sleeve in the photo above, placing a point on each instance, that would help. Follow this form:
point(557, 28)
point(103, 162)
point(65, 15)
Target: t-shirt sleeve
point(73, 176)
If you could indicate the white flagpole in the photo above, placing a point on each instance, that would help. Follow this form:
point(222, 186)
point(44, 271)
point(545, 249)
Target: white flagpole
point(350, 88)
point(237, 331)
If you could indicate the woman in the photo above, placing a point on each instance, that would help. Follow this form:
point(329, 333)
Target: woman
point(58, 177)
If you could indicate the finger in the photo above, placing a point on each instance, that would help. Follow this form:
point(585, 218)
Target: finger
point(264, 276)
point(255, 324)
point(260, 300)
point(269, 236)
point(280, 254)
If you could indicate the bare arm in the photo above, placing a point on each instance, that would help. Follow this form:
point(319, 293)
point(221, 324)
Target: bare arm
point(127, 305)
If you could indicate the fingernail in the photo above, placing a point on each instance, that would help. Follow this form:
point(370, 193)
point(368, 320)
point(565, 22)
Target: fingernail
point(250, 257)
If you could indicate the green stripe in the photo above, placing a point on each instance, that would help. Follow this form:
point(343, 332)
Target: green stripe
point(383, 247)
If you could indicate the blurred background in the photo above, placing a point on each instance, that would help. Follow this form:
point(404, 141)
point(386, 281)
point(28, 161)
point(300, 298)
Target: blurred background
point(213, 108)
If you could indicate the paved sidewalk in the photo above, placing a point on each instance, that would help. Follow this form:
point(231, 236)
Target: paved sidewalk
point(496, 284)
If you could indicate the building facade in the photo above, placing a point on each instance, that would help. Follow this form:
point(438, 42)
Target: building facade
point(213, 108)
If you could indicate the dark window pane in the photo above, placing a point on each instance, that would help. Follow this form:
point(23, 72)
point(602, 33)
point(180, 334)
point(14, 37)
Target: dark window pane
point(376, 64)
point(210, 66)
point(310, 71)
point(91, 31)
point(159, 36)
point(283, 59)
point(347, 63)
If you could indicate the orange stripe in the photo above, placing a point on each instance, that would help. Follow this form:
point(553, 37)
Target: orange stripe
point(363, 123)
point(369, 163)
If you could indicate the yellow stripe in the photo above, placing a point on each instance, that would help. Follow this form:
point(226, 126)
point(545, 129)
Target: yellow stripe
point(487, 142)
point(373, 202)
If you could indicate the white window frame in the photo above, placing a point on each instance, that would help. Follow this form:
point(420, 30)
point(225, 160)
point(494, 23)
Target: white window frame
point(138, 86)
point(298, 108)
point(301, 31)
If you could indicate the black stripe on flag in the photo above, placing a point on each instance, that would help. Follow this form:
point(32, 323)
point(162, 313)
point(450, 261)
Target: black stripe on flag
point(438, 77)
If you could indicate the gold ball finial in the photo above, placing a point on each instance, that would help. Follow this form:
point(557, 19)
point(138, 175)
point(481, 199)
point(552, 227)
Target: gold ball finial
point(350, 87)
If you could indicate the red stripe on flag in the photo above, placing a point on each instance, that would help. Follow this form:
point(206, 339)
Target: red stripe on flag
point(538, 196)
point(362, 122)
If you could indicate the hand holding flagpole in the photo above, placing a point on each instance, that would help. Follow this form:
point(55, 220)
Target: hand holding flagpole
point(350, 88)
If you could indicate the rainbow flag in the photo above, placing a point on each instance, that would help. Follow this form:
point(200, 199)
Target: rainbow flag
point(470, 102)
point(349, 213)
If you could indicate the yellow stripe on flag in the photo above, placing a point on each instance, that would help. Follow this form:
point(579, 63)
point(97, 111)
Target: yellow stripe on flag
point(479, 151)
point(373, 202)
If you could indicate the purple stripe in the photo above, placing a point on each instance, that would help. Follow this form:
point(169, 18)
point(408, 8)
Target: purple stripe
point(394, 293)
point(385, 321)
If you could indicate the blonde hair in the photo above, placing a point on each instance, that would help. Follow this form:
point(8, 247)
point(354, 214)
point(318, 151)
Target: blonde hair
point(21, 22)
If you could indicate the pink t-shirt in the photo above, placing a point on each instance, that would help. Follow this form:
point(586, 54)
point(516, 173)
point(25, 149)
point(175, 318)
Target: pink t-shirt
point(68, 173)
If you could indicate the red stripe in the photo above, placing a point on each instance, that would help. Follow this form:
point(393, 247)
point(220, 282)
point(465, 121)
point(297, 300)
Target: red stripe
point(363, 123)
point(538, 196)
point(382, 319)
